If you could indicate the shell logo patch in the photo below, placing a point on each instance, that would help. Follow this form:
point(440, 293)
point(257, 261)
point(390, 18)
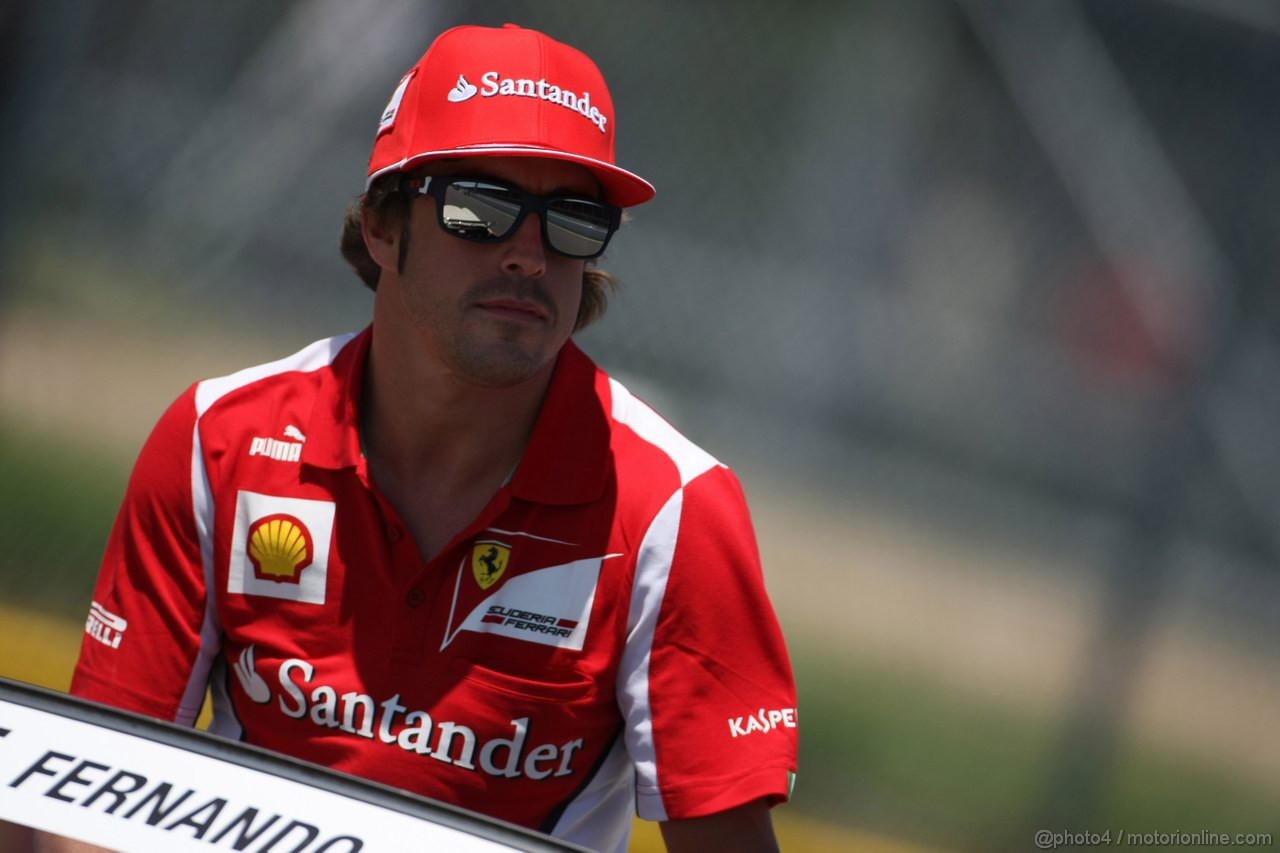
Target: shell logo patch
point(489, 560)
point(279, 548)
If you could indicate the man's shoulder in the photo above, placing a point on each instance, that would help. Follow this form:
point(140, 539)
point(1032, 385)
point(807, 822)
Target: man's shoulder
point(640, 439)
point(289, 409)
point(272, 377)
point(592, 420)
point(643, 438)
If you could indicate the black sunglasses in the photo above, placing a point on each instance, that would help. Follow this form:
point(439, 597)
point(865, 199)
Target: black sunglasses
point(486, 210)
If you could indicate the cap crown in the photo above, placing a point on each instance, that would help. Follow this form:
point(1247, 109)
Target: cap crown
point(509, 91)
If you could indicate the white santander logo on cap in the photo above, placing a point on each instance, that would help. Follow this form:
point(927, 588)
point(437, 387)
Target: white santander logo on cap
point(462, 90)
point(494, 83)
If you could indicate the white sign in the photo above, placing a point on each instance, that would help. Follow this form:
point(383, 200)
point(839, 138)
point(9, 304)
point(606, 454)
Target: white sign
point(128, 792)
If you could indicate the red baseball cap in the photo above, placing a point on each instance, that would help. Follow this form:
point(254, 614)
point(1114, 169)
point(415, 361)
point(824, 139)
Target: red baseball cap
point(504, 92)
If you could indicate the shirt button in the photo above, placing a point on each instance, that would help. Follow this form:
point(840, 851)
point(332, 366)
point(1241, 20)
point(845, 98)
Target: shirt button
point(415, 597)
point(394, 533)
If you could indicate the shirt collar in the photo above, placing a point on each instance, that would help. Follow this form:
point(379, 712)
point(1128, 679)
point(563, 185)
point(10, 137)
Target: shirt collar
point(565, 462)
point(333, 433)
point(567, 459)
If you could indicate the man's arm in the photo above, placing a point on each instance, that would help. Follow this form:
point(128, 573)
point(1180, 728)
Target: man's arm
point(153, 654)
point(43, 842)
point(705, 687)
point(747, 828)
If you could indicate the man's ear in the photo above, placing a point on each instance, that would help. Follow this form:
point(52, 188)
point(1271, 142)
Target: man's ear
point(382, 239)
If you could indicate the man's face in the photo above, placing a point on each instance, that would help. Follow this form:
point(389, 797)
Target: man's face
point(493, 314)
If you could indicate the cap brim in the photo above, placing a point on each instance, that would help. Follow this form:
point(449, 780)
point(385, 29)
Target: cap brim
point(621, 187)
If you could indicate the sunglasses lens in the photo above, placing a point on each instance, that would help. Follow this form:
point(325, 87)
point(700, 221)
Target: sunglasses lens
point(487, 212)
point(476, 210)
point(579, 229)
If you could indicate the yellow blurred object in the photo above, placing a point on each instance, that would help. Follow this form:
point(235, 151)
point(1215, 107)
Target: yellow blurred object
point(796, 834)
point(38, 649)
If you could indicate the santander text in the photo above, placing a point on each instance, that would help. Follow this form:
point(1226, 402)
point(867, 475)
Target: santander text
point(493, 83)
point(415, 731)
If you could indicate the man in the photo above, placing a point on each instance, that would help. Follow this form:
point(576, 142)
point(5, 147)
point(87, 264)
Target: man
point(448, 553)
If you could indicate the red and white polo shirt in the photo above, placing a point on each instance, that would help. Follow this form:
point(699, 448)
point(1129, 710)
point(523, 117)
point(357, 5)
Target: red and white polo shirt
point(597, 642)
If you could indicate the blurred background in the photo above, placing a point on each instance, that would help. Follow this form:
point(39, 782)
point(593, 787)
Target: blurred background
point(978, 297)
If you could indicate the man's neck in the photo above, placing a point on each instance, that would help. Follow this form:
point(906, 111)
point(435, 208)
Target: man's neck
point(438, 447)
point(427, 422)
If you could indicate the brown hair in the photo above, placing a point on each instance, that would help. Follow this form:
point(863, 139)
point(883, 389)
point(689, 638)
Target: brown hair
point(389, 205)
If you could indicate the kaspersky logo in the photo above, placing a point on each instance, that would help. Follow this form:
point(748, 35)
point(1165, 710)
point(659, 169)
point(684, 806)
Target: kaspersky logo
point(389, 722)
point(493, 84)
point(280, 548)
point(763, 721)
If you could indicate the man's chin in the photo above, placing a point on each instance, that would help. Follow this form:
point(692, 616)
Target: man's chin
point(502, 364)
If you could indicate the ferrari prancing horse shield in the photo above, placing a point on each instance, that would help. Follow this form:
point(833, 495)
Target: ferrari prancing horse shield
point(488, 561)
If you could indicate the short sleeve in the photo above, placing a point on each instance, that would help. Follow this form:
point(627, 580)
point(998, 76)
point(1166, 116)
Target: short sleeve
point(705, 687)
point(143, 648)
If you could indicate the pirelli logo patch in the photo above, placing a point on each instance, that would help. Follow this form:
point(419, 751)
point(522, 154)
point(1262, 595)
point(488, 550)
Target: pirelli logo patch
point(280, 547)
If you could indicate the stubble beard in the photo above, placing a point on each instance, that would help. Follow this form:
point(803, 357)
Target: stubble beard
point(493, 353)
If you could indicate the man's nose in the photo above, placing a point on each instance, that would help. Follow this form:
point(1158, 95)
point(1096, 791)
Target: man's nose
point(523, 252)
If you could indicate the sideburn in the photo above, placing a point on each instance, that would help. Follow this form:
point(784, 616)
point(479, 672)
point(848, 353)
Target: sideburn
point(404, 240)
